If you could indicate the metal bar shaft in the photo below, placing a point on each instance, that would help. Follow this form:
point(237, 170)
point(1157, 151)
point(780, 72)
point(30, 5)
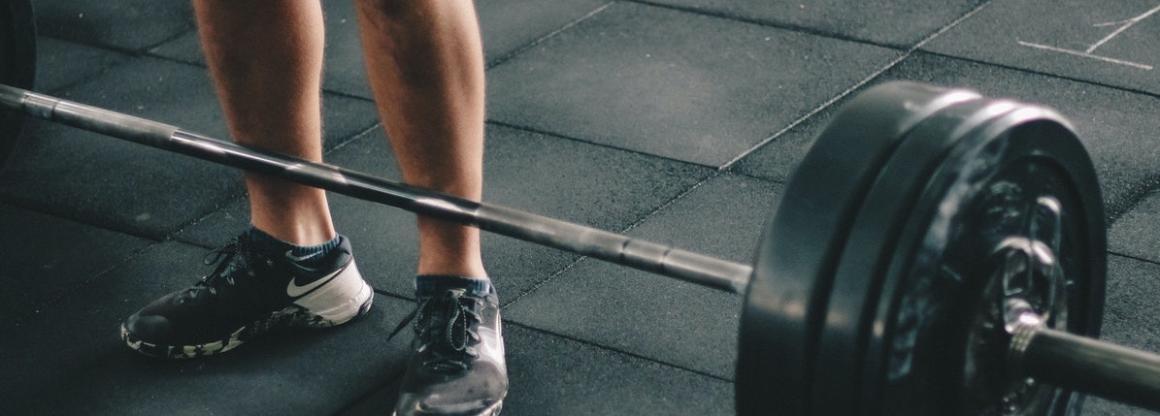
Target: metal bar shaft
point(1092, 366)
point(616, 248)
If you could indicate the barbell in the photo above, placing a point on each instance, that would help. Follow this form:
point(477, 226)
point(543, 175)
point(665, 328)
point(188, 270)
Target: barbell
point(935, 252)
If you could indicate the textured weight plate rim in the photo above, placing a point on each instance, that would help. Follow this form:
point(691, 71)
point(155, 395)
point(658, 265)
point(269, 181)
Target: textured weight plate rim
point(790, 284)
point(17, 42)
point(885, 210)
point(1062, 148)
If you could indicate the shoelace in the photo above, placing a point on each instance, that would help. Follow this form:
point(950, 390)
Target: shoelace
point(223, 271)
point(450, 339)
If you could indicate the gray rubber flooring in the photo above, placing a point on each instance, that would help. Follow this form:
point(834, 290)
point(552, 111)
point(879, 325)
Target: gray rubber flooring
point(673, 120)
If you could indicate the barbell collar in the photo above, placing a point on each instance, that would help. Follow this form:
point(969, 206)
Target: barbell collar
point(644, 255)
point(1088, 365)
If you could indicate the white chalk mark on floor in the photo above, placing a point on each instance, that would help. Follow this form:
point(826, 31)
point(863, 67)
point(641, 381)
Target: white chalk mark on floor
point(1087, 55)
point(1126, 24)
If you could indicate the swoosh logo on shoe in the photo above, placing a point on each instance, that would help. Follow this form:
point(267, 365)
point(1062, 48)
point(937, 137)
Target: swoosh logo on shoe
point(294, 290)
point(303, 258)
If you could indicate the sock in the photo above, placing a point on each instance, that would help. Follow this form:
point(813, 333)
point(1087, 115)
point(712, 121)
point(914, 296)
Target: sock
point(303, 255)
point(431, 283)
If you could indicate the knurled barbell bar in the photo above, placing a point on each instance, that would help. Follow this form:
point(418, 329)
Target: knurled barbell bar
point(936, 252)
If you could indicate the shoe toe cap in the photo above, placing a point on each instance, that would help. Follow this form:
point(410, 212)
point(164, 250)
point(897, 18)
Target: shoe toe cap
point(148, 328)
point(417, 405)
point(479, 392)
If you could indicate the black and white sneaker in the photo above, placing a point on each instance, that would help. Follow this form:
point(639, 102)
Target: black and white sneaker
point(458, 363)
point(248, 294)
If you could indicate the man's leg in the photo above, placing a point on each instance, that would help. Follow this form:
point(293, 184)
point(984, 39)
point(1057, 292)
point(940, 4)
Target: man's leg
point(425, 62)
point(266, 60)
point(290, 269)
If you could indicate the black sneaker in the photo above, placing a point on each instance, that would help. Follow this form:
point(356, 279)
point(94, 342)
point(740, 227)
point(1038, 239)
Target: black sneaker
point(458, 365)
point(247, 294)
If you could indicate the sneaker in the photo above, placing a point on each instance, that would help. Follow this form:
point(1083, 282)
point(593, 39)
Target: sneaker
point(458, 365)
point(248, 294)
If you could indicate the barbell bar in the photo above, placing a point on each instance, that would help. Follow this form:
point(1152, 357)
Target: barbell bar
point(680, 264)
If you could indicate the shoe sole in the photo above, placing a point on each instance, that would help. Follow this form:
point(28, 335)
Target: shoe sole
point(330, 305)
point(492, 410)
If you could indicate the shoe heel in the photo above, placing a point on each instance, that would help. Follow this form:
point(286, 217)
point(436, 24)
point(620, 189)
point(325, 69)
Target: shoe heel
point(342, 299)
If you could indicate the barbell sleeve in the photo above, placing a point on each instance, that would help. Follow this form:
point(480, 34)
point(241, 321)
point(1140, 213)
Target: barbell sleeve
point(1088, 365)
point(604, 245)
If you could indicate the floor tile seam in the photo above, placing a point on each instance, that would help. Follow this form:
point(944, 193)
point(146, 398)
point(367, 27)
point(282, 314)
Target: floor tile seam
point(155, 55)
point(192, 28)
point(389, 294)
point(537, 284)
point(142, 52)
point(152, 49)
point(1133, 197)
point(825, 105)
point(769, 24)
point(351, 96)
point(146, 51)
point(738, 173)
point(225, 203)
point(357, 136)
point(648, 215)
point(1040, 73)
point(85, 79)
point(128, 53)
point(563, 136)
point(500, 60)
point(615, 350)
point(873, 75)
point(624, 230)
point(1133, 257)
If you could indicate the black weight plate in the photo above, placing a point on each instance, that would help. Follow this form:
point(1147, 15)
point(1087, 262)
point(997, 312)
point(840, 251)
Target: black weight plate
point(786, 298)
point(17, 65)
point(922, 353)
point(887, 207)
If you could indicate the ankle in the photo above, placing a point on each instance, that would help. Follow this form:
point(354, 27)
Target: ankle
point(289, 212)
point(303, 254)
point(449, 249)
point(302, 233)
point(427, 285)
point(444, 267)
